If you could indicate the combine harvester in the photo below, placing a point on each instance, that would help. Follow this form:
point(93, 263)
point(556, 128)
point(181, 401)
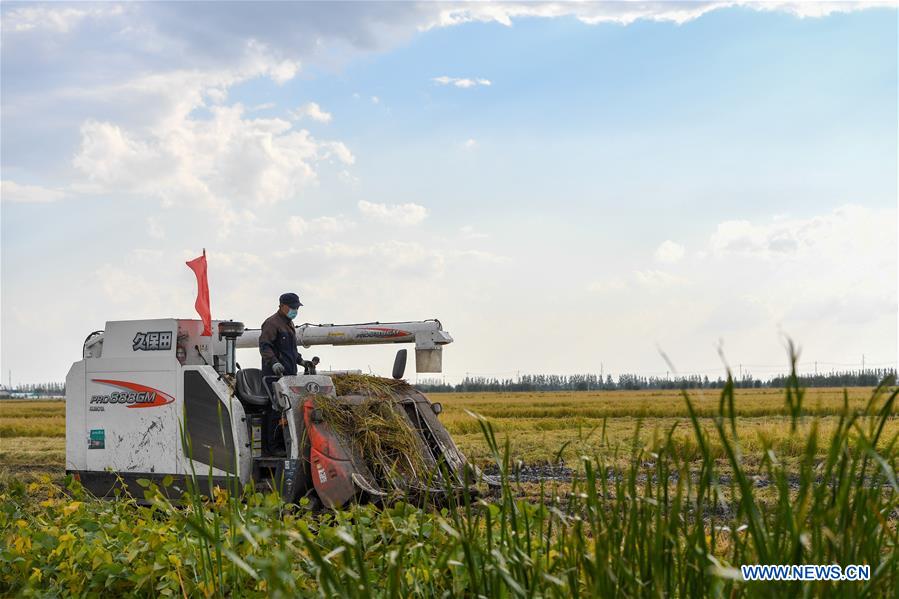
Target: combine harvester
point(156, 398)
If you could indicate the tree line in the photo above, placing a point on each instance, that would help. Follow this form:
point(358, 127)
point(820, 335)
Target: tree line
point(632, 382)
point(589, 382)
point(36, 390)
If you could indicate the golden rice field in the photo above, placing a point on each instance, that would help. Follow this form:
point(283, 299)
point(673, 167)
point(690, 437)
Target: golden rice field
point(540, 427)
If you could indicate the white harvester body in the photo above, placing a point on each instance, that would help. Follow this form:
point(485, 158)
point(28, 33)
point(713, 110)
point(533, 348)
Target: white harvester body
point(152, 398)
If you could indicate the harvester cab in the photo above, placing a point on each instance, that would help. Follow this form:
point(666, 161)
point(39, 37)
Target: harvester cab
point(157, 398)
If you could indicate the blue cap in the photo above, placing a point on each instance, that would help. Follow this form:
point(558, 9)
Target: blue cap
point(291, 299)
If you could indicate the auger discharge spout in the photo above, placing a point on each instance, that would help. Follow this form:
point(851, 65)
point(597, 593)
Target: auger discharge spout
point(427, 335)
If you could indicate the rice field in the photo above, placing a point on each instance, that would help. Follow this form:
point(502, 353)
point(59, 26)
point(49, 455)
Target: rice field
point(537, 425)
point(664, 495)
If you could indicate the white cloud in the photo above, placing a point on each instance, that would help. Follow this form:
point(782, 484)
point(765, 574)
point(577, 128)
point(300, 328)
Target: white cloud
point(154, 229)
point(469, 232)
point(239, 261)
point(163, 87)
point(332, 224)
point(478, 255)
point(283, 71)
point(610, 284)
point(216, 95)
point(394, 214)
point(811, 276)
point(149, 256)
point(188, 87)
point(843, 229)
point(375, 100)
point(107, 153)
point(669, 252)
point(409, 256)
point(638, 280)
point(313, 111)
point(656, 279)
point(337, 150)
point(240, 44)
point(10, 191)
point(401, 257)
point(461, 82)
point(299, 226)
point(121, 285)
point(348, 177)
point(55, 19)
point(160, 98)
point(224, 162)
point(834, 268)
point(810, 10)
point(470, 143)
point(621, 13)
point(374, 24)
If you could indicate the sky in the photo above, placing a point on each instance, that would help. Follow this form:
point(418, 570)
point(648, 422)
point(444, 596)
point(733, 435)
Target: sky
point(569, 188)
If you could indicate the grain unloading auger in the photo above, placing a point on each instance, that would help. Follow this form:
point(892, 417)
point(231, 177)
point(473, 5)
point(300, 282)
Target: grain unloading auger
point(156, 398)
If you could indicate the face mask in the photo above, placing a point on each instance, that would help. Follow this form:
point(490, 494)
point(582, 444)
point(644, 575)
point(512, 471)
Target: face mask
point(292, 313)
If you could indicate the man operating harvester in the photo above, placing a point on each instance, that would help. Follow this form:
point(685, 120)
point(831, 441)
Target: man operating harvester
point(278, 346)
point(278, 339)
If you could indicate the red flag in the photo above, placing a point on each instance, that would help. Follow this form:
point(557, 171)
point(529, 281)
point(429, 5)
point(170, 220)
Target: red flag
point(198, 265)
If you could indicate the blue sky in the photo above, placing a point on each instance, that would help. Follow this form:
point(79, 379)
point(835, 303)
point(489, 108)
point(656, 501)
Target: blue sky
point(564, 186)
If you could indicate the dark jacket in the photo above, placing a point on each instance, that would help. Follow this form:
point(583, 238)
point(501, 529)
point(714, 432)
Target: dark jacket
point(278, 343)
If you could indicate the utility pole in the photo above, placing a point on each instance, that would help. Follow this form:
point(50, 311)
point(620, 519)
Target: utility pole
point(863, 363)
point(816, 367)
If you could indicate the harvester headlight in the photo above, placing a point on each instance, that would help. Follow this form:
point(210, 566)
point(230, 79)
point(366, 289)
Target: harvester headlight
point(437, 407)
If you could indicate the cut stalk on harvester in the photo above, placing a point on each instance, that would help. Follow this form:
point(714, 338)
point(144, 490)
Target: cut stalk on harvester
point(377, 428)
